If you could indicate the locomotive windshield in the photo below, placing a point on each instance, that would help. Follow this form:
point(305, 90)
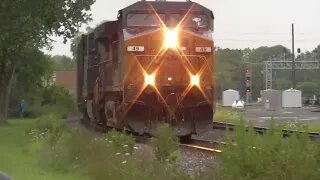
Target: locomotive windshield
point(144, 20)
point(171, 20)
point(191, 21)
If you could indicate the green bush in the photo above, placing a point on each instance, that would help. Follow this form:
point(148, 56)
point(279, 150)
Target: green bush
point(52, 99)
point(48, 126)
point(98, 158)
point(166, 144)
point(269, 156)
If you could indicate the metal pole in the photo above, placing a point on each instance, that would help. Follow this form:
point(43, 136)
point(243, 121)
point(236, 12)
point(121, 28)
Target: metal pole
point(293, 61)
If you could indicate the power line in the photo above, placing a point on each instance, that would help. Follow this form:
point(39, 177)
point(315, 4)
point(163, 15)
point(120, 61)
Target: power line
point(265, 40)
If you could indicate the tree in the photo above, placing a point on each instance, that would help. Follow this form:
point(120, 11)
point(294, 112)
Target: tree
point(29, 77)
point(76, 40)
point(229, 70)
point(64, 63)
point(31, 23)
point(255, 61)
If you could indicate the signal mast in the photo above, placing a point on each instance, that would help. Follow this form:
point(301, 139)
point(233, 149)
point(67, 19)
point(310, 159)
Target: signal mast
point(248, 84)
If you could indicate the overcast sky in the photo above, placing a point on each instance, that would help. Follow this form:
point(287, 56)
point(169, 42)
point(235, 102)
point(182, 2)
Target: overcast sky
point(239, 23)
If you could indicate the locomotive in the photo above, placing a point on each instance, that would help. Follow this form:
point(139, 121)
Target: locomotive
point(153, 65)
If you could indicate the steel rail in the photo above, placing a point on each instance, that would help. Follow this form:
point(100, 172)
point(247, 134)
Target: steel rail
point(263, 130)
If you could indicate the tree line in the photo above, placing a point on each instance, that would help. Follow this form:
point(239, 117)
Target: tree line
point(232, 63)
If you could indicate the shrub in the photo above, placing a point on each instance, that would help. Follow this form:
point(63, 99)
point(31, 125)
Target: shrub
point(165, 144)
point(52, 99)
point(269, 156)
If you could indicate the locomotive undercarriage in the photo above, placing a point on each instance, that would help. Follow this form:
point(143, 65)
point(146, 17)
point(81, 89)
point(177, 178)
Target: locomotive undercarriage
point(185, 114)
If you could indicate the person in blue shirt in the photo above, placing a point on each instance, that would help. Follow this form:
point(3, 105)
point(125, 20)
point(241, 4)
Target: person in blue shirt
point(23, 108)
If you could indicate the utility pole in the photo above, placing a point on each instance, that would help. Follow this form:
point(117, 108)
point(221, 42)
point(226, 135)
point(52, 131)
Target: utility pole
point(293, 61)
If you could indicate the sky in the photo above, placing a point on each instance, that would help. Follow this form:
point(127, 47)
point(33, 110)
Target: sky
point(238, 23)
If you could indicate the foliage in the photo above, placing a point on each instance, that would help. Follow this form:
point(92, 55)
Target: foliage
point(228, 115)
point(28, 25)
point(64, 63)
point(309, 88)
point(53, 99)
point(31, 74)
point(230, 65)
point(269, 156)
point(119, 140)
point(99, 158)
point(48, 126)
point(229, 70)
point(165, 144)
point(19, 152)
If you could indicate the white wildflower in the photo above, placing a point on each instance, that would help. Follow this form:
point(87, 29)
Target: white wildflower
point(118, 153)
point(123, 162)
point(127, 154)
point(125, 145)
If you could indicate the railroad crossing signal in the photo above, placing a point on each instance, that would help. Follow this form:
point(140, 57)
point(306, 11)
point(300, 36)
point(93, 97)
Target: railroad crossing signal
point(248, 84)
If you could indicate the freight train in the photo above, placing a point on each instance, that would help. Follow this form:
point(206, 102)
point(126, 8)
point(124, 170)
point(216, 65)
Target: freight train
point(153, 65)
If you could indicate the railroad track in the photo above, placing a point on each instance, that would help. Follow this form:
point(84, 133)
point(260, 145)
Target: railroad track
point(262, 130)
point(203, 145)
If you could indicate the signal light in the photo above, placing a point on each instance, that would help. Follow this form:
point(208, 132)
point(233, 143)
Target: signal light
point(248, 90)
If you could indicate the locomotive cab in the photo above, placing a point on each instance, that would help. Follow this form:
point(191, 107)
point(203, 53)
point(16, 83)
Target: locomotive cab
point(154, 65)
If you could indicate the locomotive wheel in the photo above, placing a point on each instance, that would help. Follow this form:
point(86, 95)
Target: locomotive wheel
point(185, 139)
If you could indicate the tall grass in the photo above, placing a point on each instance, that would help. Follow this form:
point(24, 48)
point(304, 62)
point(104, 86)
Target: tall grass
point(227, 115)
point(166, 144)
point(19, 152)
point(107, 157)
point(269, 156)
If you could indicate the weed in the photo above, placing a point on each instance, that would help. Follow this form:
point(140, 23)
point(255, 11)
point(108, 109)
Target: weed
point(227, 115)
point(121, 140)
point(48, 126)
point(166, 144)
point(269, 156)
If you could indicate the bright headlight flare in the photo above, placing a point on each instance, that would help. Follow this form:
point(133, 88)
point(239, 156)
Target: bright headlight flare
point(171, 38)
point(195, 80)
point(149, 79)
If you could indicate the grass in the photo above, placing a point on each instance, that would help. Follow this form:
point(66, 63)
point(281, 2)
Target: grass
point(227, 115)
point(314, 127)
point(304, 127)
point(269, 157)
point(44, 149)
point(18, 154)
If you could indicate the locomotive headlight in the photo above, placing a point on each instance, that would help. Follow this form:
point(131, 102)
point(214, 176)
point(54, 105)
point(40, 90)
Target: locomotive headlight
point(171, 38)
point(195, 80)
point(149, 79)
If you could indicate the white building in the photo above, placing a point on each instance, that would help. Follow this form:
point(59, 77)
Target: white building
point(291, 98)
point(229, 96)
